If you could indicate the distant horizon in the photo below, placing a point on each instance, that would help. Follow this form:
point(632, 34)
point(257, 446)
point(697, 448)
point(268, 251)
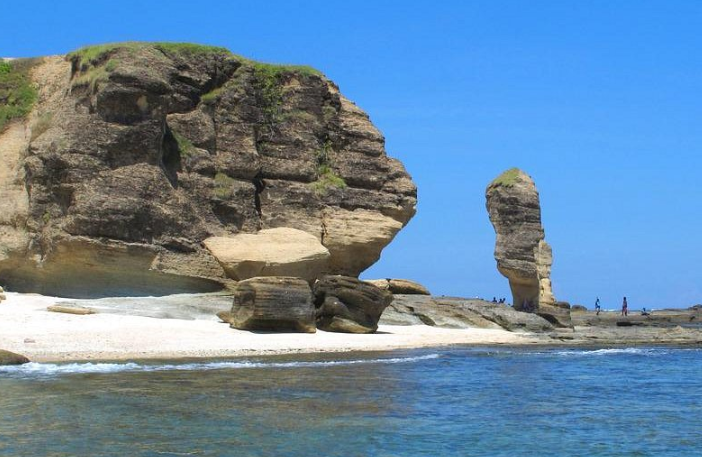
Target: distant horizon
point(600, 104)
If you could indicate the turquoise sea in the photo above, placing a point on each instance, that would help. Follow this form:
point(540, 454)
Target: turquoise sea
point(453, 402)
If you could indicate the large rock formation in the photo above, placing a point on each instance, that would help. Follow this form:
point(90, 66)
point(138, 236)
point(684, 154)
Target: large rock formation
point(136, 153)
point(349, 305)
point(274, 303)
point(522, 255)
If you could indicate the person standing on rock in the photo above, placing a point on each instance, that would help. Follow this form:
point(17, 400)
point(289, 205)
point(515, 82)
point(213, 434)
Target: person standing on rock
point(625, 308)
point(598, 308)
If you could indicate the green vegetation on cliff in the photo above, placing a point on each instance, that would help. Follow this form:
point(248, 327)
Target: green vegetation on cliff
point(326, 176)
point(94, 54)
point(17, 94)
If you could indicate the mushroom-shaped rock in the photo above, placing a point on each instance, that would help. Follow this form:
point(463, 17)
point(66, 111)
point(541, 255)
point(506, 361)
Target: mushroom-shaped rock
point(272, 252)
point(400, 286)
point(522, 255)
point(274, 303)
point(10, 358)
point(349, 305)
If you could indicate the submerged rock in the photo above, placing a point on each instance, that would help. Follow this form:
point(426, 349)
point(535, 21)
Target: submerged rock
point(136, 153)
point(273, 303)
point(346, 304)
point(10, 358)
point(522, 254)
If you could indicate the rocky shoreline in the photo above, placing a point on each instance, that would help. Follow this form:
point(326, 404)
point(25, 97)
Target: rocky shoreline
point(186, 326)
point(668, 326)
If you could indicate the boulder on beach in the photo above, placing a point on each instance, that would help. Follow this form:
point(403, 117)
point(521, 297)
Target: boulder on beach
point(273, 303)
point(349, 305)
point(578, 309)
point(137, 153)
point(71, 309)
point(522, 254)
point(10, 358)
point(400, 286)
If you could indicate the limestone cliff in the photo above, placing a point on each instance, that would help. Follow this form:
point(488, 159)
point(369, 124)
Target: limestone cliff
point(135, 154)
point(522, 254)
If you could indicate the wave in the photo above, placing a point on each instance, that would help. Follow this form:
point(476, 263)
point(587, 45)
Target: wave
point(637, 351)
point(55, 369)
point(580, 352)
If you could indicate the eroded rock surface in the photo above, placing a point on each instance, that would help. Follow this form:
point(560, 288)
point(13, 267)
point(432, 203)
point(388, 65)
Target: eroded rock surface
point(273, 303)
point(349, 305)
point(136, 153)
point(522, 254)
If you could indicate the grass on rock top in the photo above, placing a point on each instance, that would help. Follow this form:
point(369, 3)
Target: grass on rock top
point(17, 94)
point(95, 53)
point(507, 179)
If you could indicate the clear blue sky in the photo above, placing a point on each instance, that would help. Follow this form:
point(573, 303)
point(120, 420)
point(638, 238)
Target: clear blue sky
point(600, 101)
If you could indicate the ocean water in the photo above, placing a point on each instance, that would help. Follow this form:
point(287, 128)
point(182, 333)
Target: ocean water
point(453, 402)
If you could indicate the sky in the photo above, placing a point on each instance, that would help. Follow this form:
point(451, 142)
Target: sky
point(599, 101)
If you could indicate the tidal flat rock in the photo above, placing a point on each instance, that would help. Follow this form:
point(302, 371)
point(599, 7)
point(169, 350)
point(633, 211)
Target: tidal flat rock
point(400, 286)
point(522, 254)
point(349, 305)
point(136, 153)
point(10, 358)
point(454, 312)
point(273, 303)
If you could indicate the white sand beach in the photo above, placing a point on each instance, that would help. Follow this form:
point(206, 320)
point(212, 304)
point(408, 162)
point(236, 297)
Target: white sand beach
point(26, 327)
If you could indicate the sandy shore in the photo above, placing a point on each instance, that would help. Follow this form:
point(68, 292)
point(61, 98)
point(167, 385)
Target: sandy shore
point(26, 327)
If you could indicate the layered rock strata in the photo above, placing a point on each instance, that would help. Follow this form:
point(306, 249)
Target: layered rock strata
point(273, 303)
point(136, 153)
point(522, 254)
point(346, 304)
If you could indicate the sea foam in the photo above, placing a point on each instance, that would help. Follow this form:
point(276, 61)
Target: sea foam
point(34, 369)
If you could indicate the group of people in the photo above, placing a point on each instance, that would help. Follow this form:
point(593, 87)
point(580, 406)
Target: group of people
point(625, 308)
point(500, 301)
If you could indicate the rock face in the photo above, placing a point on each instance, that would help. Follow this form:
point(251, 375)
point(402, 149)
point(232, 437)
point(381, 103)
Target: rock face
point(274, 303)
point(400, 286)
point(10, 358)
point(346, 304)
point(135, 154)
point(522, 255)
